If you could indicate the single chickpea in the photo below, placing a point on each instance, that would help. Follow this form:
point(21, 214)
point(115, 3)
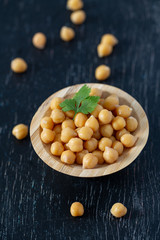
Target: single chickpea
point(18, 65)
point(39, 40)
point(118, 146)
point(57, 148)
point(118, 123)
point(58, 128)
point(47, 122)
point(85, 133)
point(131, 124)
point(89, 161)
point(92, 123)
point(91, 144)
point(80, 155)
point(99, 155)
point(113, 139)
point(80, 120)
point(57, 138)
point(120, 133)
point(70, 114)
point(101, 102)
point(110, 155)
point(68, 157)
point(96, 92)
point(111, 102)
point(123, 111)
point(74, 5)
point(97, 110)
point(104, 142)
point(67, 134)
point(104, 50)
point(75, 144)
point(105, 116)
point(55, 103)
point(57, 116)
point(102, 72)
point(47, 135)
point(78, 17)
point(97, 135)
point(77, 209)
point(20, 131)
point(109, 39)
point(68, 123)
point(118, 210)
point(128, 140)
point(106, 130)
point(67, 34)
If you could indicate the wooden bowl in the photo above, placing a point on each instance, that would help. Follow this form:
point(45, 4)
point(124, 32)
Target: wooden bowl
point(128, 156)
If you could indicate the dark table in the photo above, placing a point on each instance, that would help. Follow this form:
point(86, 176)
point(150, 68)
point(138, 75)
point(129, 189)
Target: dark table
point(34, 199)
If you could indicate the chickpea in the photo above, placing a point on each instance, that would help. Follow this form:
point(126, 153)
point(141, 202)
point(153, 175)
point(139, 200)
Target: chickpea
point(85, 133)
point(57, 129)
point(67, 34)
point(75, 144)
point(68, 123)
point(91, 144)
point(97, 110)
point(57, 148)
point(123, 111)
point(67, 134)
point(57, 116)
point(89, 161)
point(113, 139)
point(96, 92)
point(66, 147)
point(70, 114)
point(102, 72)
point(109, 39)
point(104, 142)
point(106, 130)
point(77, 209)
point(47, 135)
point(77, 129)
point(99, 155)
point(118, 146)
point(68, 157)
point(118, 210)
point(92, 123)
point(101, 102)
point(110, 155)
point(20, 131)
point(18, 65)
point(118, 123)
point(55, 103)
point(80, 120)
point(78, 17)
point(57, 138)
point(80, 155)
point(105, 116)
point(74, 5)
point(104, 50)
point(39, 40)
point(97, 135)
point(128, 140)
point(120, 133)
point(47, 122)
point(131, 124)
point(111, 102)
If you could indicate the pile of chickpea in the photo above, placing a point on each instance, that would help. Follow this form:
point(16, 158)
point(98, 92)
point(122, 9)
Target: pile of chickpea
point(88, 140)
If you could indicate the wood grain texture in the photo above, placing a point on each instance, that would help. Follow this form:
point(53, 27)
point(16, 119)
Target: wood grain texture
point(35, 199)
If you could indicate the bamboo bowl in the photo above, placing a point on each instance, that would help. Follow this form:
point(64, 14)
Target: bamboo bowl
point(128, 156)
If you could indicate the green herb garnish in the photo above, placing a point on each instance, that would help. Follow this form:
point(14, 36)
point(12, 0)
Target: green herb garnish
point(81, 102)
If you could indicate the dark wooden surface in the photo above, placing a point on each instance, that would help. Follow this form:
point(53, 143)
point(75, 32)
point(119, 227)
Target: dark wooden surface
point(34, 199)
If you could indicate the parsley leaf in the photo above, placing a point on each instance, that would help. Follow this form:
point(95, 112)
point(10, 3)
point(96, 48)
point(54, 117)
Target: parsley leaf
point(89, 104)
point(68, 104)
point(82, 94)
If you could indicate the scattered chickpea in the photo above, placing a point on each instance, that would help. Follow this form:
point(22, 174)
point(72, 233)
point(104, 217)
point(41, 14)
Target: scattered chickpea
point(92, 123)
point(97, 110)
point(57, 148)
point(104, 142)
point(123, 111)
point(57, 116)
point(47, 122)
point(58, 128)
point(18, 65)
point(55, 103)
point(68, 123)
point(67, 134)
point(118, 123)
point(128, 140)
point(120, 133)
point(85, 133)
point(97, 135)
point(67, 34)
point(20, 131)
point(89, 161)
point(74, 5)
point(80, 155)
point(39, 40)
point(104, 50)
point(118, 210)
point(96, 92)
point(102, 72)
point(105, 116)
point(77, 209)
point(110, 155)
point(99, 155)
point(68, 157)
point(106, 130)
point(131, 124)
point(47, 135)
point(80, 120)
point(78, 17)
point(109, 39)
point(118, 146)
point(70, 114)
point(111, 102)
point(75, 144)
point(91, 144)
